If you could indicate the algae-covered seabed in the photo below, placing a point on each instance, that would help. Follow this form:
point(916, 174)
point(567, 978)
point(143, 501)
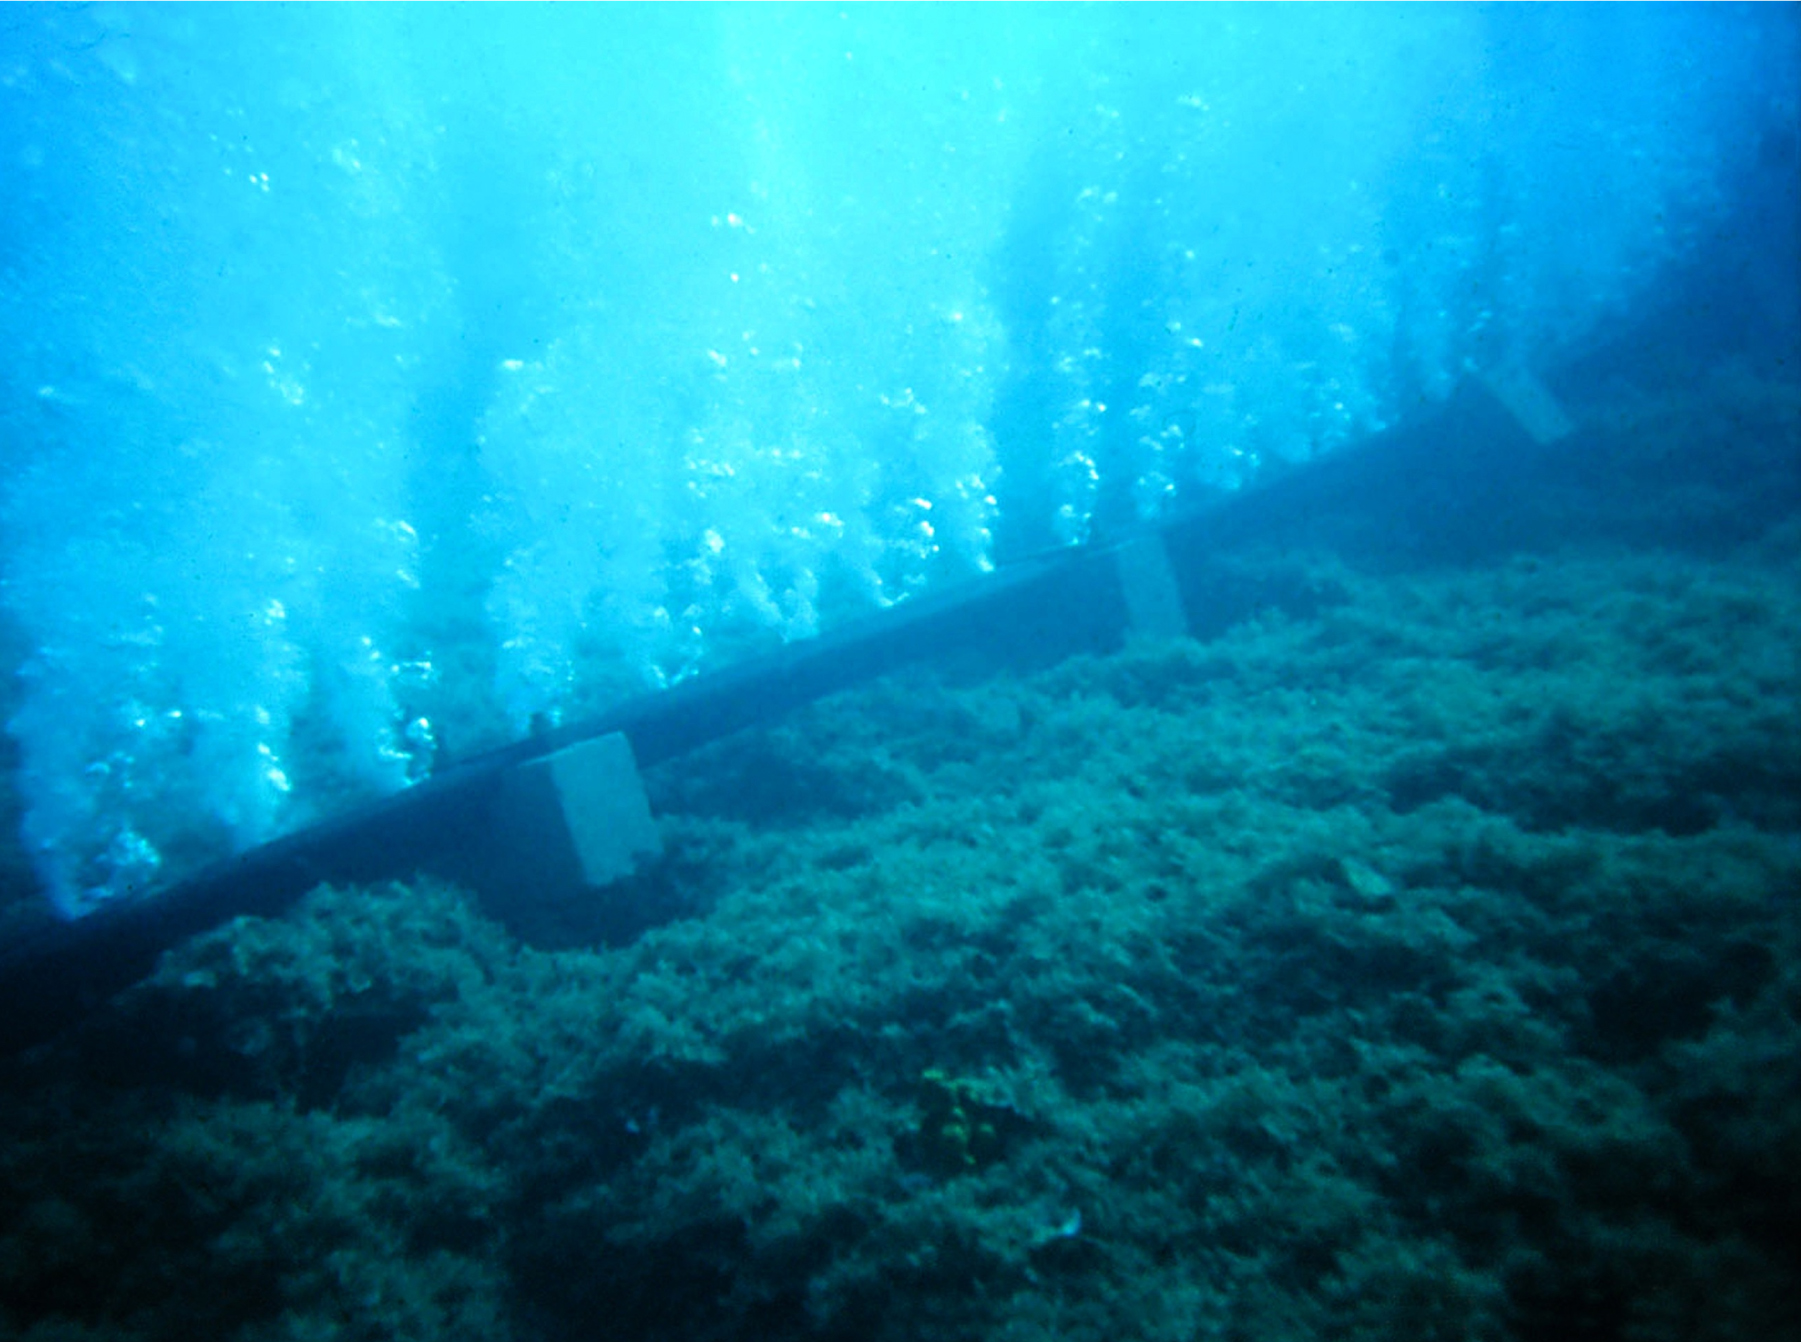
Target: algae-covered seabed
point(1419, 957)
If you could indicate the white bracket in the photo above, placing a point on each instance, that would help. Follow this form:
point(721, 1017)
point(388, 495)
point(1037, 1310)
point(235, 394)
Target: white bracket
point(1531, 404)
point(1147, 580)
point(582, 807)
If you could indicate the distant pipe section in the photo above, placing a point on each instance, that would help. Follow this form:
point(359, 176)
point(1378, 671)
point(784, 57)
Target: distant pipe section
point(469, 823)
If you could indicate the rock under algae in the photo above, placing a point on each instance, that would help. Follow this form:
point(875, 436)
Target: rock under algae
point(1421, 965)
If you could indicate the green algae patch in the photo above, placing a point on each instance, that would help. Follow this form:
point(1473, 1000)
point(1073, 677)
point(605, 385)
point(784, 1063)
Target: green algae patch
point(963, 1125)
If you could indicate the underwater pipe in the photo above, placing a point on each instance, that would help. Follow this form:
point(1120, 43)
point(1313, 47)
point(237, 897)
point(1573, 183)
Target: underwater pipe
point(510, 823)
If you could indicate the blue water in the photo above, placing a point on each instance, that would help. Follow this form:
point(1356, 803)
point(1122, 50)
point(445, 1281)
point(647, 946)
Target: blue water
point(384, 383)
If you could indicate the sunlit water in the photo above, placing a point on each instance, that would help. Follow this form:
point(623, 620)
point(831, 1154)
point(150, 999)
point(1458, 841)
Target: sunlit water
point(384, 382)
